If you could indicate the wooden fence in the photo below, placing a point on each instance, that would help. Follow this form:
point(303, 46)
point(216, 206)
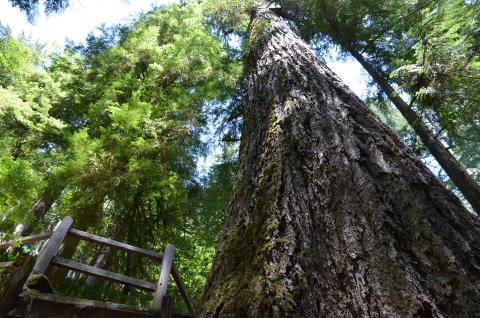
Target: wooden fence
point(48, 256)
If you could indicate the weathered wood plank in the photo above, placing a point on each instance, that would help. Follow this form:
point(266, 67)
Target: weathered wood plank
point(162, 284)
point(6, 264)
point(183, 291)
point(167, 308)
point(50, 249)
point(26, 240)
point(43, 305)
point(82, 303)
point(98, 272)
point(115, 244)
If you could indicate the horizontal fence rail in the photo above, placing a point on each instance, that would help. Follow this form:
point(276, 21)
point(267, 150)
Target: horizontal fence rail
point(115, 244)
point(139, 251)
point(87, 303)
point(6, 264)
point(26, 240)
point(98, 272)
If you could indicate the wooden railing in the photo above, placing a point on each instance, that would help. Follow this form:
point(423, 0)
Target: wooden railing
point(48, 256)
point(26, 240)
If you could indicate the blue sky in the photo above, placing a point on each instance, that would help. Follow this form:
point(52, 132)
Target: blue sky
point(79, 19)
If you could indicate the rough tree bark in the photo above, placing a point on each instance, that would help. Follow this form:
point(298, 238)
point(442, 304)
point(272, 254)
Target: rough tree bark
point(331, 214)
point(462, 179)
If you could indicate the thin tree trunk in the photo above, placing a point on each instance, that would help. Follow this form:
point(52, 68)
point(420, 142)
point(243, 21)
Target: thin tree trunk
point(331, 214)
point(462, 179)
point(99, 261)
point(39, 209)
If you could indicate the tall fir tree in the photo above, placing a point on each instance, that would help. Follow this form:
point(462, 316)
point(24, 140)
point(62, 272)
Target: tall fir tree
point(331, 214)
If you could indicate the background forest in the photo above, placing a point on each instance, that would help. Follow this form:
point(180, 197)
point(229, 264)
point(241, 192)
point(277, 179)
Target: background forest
point(110, 132)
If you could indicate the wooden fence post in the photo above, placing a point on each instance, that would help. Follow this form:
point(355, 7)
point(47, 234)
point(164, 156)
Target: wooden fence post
point(162, 284)
point(182, 290)
point(50, 249)
point(167, 307)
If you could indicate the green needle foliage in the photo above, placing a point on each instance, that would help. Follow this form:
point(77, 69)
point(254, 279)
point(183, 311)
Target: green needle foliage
point(444, 75)
point(27, 130)
point(31, 7)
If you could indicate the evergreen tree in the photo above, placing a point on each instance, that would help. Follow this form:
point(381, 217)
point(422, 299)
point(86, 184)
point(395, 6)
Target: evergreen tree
point(331, 214)
point(130, 107)
point(30, 138)
point(134, 99)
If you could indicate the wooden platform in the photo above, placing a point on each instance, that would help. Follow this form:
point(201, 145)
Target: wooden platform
point(33, 304)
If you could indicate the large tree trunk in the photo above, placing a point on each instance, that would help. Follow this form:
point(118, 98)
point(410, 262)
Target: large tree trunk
point(331, 214)
point(460, 177)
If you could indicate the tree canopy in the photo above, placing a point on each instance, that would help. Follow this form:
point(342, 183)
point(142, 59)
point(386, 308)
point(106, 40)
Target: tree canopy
point(111, 132)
